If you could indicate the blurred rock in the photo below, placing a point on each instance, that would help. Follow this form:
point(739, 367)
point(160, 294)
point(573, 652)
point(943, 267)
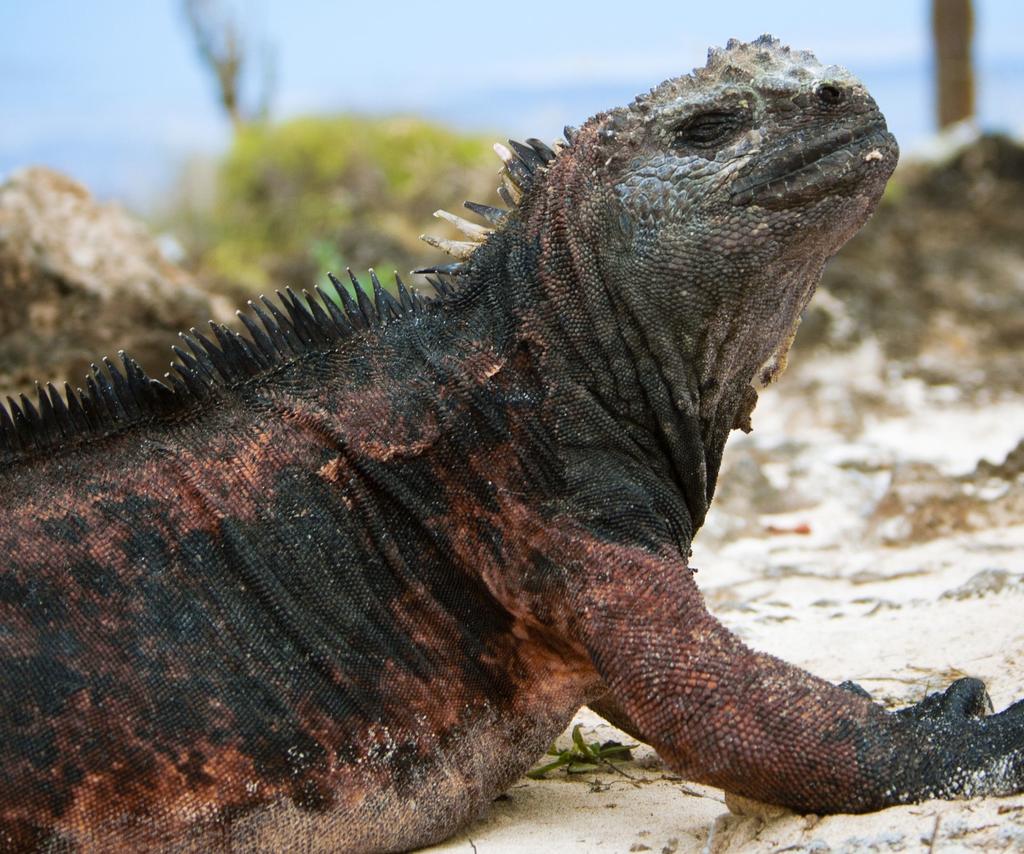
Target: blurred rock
point(79, 280)
point(986, 582)
point(1012, 468)
point(922, 503)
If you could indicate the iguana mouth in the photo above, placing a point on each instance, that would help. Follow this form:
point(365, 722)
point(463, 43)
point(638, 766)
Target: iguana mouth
point(803, 171)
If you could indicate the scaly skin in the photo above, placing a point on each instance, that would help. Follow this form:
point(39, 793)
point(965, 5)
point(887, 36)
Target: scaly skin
point(345, 601)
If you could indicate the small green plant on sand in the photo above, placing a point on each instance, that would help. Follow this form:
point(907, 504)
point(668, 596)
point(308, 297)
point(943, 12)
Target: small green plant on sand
point(582, 756)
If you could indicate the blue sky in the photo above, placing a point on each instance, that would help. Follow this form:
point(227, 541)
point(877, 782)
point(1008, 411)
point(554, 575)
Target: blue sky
point(111, 90)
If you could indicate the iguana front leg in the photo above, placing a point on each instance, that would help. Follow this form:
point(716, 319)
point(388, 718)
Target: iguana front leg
point(723, 714)
point(964, 698)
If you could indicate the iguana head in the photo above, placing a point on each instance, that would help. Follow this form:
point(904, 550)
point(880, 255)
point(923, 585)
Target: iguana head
point(711, 203)
point(724, 192)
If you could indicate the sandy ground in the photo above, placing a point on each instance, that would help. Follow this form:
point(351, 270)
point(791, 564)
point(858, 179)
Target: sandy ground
point(854, 542)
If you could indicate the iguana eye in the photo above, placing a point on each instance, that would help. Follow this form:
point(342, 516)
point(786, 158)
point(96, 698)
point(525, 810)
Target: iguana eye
point(705, 130)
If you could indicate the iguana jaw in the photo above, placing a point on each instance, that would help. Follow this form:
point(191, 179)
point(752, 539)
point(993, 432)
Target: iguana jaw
point(803, 171)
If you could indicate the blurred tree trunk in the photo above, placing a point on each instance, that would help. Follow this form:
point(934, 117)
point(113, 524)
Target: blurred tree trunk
point(952, 32)
point(226, 54)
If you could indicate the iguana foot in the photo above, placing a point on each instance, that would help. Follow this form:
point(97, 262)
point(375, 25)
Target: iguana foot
point(953, 739)
point(959, 745)
point(962, 700)
point(965, 698)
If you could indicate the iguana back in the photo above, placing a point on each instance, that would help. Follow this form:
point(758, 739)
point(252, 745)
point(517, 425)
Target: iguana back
point(259, 607)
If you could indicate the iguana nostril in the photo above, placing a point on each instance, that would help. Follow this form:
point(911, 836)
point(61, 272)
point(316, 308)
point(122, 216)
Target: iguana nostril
point(829, 94)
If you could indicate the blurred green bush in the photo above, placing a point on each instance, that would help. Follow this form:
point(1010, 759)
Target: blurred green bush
point(295, 199)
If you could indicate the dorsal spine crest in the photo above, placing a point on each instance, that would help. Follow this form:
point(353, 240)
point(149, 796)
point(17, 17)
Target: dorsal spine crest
point(116, 397)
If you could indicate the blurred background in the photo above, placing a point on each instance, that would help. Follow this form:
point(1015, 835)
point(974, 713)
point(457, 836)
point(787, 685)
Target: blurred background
point(123, 96)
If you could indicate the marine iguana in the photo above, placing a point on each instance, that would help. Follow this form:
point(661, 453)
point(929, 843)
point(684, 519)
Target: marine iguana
point(334, 585)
